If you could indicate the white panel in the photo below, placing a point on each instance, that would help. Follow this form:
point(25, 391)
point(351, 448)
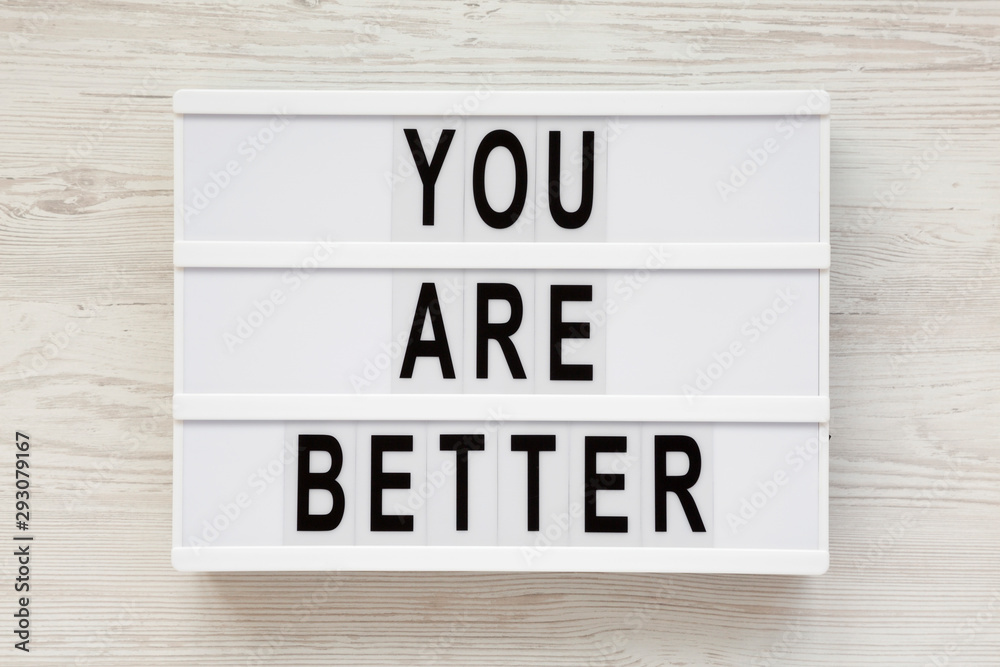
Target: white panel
point(287, 178)
point(407, 468)
point(758, 487)
point(444, 471)
point(713, 333)
point(268, 330)
point(612, 504)
point(572, 161)
point(741, 332)
point(501, 376)
point(767, 486)
point(233, 475)
point(321, 501)
point(723, 324)
point(428, 374)
point(554, 510)
point(667, 179)
point(408, 186)
point(499, 179)
point(575, 350)
point(680, 528)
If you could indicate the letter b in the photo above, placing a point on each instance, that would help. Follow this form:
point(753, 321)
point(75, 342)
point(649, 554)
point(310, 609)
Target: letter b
point(326, 481)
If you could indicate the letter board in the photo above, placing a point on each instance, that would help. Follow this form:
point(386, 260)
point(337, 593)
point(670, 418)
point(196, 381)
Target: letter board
point(501, 331)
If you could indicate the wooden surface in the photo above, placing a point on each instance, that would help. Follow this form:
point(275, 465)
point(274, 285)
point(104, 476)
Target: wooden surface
point(85, 239)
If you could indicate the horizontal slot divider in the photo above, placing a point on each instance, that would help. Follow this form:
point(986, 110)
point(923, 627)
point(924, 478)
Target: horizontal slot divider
point(516, 256)
point(500, 408)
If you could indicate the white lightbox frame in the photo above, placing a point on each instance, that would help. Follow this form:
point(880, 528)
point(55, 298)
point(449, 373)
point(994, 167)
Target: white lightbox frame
point(533, 407)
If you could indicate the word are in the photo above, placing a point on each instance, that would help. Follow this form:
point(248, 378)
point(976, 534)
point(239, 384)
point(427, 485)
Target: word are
point(502, 333)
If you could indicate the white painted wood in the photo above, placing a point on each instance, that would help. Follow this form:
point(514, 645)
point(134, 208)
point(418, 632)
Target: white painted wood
point(85, 239)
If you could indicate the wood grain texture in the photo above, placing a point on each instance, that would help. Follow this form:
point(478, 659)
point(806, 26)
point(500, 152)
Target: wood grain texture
point(85, 239)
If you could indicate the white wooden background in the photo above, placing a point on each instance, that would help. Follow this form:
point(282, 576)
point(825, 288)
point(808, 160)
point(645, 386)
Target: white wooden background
point(85, 239)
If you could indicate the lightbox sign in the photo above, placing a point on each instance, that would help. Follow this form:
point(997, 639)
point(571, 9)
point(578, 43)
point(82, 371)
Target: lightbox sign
point(560, 331)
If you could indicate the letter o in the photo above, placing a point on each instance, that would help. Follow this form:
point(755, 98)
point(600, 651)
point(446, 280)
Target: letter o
point(507, 217)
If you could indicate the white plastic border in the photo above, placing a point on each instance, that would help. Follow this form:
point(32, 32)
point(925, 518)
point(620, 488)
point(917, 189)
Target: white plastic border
point(472, 255)
point(514, 407)
point(555, 256)
point(503, 103)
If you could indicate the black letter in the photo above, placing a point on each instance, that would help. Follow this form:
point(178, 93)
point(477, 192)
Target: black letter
point(389, 480)
point(319, 480)
point(678, 484)
point(592, 483)
point(579, 217)
point(533, 444)
point(499, 219)
point(427, 302)
point(462, 445)
point(429, 172)
point(559, 330)
point(501, 333)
